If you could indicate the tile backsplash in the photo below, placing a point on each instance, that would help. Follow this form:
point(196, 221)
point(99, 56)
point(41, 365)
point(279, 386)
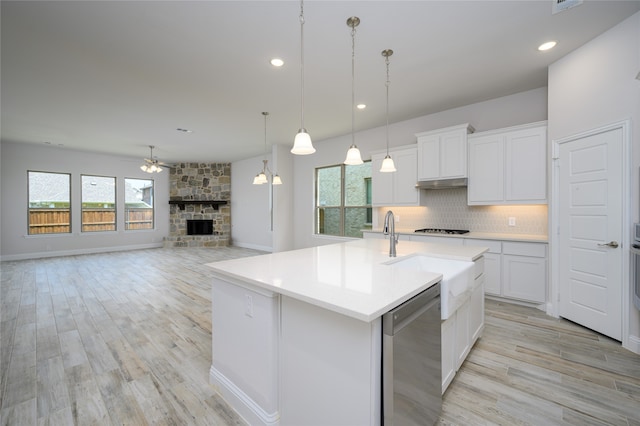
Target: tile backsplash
point(447, 208)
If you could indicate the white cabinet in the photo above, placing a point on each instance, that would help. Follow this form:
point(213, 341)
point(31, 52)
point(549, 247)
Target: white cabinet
point(442, 153)
point(508, 166)
point(462, 329)
point(524, 269)
point(492, 264)
point(397, 188)
point(448, 342)
point(476, 310)
point(514, 270)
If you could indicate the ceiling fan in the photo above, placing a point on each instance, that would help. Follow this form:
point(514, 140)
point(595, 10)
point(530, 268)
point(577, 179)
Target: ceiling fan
point(152, 165)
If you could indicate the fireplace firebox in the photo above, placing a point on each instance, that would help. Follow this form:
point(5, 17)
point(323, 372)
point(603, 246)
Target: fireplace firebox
point(199, 227)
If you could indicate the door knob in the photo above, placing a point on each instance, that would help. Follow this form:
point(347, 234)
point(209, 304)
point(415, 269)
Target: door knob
point(612, 244)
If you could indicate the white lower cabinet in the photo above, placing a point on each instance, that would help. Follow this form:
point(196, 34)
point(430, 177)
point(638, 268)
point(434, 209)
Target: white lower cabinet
point(524, 269)
point(492, 264)
point(461, 330)
point(448, 352)
point(515, 270)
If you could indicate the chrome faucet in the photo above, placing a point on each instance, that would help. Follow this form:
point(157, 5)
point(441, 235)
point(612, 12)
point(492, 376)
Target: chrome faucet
point(390, 230)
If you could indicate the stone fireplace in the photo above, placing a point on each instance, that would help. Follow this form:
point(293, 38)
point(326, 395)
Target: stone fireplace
point(199, 192)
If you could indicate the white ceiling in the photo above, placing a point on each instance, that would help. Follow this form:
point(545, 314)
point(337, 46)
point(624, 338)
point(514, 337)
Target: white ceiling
point(115, 77)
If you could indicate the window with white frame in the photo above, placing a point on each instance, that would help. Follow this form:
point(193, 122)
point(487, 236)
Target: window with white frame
point(343, 200)
point(49, 203)
point(98, 203)
point(138, 204)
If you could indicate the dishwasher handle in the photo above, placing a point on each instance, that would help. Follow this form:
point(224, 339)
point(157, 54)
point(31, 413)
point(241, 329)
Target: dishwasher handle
point(399, 317)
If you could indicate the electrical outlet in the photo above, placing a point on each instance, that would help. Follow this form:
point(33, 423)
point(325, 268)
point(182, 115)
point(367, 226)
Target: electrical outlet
point(512, 221)
point(248, 309)
point(397, 218)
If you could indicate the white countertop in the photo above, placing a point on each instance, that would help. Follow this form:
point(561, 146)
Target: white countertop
point(349, 278)
point(531, 238)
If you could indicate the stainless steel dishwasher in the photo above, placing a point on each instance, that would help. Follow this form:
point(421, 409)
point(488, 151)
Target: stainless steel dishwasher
point(411, 361)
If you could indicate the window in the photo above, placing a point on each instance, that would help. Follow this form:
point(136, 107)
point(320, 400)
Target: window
point(49, 203)
point(138, 204)
point(98, 203)
point(343, 200)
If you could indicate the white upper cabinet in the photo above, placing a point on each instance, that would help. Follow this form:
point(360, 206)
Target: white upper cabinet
point(397, 188)
point(442, 153)
point(508, 166)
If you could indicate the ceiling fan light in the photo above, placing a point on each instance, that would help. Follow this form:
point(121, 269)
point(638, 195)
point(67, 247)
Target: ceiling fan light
point(387, 165)
point(262, 177)
point(256, 180)
point(158, 169)
point(143, 167)
point(302, 143)
point(353, 156)
point(276, 180)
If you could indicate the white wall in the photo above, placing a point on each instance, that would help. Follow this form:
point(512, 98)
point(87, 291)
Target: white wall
point(594, 86)
point(507, 111)
point(283, 199)
point(17, 159)
point(250, 206)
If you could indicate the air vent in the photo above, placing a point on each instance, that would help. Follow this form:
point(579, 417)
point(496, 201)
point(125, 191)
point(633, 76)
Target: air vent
point(558, 6)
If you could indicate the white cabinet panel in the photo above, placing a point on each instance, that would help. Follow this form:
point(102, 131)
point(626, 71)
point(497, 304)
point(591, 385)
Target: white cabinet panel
point(508, 166)
point(525, 277)
point(476, 311)
point(486, 174)
point(442, 153)
point(525, 165)
point(448, 351)
point(492, 274)
point(463, 342)
point(397, 188)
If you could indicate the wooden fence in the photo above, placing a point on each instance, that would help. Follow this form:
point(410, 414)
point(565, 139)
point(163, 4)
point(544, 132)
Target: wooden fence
point(55, 221)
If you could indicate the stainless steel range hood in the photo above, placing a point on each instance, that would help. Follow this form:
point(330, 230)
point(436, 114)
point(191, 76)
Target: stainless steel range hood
point(442, 183)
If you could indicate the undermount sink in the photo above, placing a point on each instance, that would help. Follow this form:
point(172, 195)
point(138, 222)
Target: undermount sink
point(457, 278)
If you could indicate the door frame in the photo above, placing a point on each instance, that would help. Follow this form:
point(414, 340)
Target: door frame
point(553, 305)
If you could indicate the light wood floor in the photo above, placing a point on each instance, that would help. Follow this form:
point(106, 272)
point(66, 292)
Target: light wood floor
point(125, 338)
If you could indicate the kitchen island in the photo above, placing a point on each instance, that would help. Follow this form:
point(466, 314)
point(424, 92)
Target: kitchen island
point(297, 335)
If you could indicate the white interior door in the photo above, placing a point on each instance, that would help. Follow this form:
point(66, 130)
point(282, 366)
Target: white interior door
point(590, 218)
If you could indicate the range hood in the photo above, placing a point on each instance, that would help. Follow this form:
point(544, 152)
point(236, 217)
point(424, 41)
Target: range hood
point(442, 183)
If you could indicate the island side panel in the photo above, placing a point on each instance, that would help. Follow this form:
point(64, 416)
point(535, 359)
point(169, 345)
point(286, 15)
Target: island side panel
point(330, 367)
point(245, 330)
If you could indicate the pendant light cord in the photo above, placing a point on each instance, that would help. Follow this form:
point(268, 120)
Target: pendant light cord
point(386, 61)
point(301, 64)
point(353, 85)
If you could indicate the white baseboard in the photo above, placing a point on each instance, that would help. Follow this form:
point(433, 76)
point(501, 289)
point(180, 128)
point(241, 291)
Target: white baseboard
point(246, 407)
point(633, 344)
point(44, 254)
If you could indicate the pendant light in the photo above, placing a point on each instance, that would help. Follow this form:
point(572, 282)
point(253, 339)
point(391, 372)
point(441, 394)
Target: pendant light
point(261, 177)
point(387, 163)
point(353, 154)
point(302, 143)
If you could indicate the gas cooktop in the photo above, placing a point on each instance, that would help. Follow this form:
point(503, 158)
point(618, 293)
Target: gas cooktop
point(442, 231)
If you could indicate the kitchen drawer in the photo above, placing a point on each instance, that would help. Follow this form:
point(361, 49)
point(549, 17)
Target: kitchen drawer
point(493, 245)
point(524, 249)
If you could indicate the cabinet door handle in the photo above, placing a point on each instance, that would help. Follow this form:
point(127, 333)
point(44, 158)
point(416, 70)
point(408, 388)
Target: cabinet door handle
point(612, 244)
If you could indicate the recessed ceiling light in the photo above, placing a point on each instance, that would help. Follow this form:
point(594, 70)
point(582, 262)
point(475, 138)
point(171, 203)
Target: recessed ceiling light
point(546, 46)
point(184, 130)
point(276, 62)
point(361, 106)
